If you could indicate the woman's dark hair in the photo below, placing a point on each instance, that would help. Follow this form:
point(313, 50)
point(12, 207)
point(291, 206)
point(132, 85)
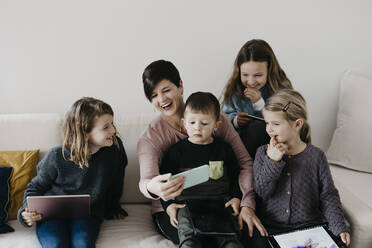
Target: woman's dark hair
point(157, 71)
point(204, 102)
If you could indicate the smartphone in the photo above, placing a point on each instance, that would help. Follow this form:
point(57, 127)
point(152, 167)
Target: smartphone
point(255, 118)
point(194, 176)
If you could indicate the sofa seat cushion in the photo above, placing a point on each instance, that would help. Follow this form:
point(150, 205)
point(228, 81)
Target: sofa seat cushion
point(136, 230)
point(355, 192)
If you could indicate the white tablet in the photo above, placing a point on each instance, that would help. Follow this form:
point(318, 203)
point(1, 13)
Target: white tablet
point(194, 176)
point(317, 236)
point(60, 206)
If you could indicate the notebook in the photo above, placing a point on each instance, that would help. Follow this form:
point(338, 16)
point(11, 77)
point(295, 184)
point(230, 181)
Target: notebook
point(310, 237)
point(60, 206)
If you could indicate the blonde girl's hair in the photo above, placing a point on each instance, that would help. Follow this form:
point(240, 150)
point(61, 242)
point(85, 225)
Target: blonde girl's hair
point(293, 104)
point(79, 122)
point(257, 51)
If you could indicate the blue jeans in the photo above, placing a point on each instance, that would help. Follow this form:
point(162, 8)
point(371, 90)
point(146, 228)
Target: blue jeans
point(68, 233)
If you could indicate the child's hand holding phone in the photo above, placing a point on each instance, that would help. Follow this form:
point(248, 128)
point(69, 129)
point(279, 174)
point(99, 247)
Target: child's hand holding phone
point(276, 150)
point(243, 119)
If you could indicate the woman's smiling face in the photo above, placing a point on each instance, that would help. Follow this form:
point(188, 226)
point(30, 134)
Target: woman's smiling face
point(167, 97)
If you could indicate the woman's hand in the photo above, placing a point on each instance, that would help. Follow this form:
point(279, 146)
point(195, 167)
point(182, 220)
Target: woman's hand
point(172, 213)
point(235, 204)
point(30, 217)
point(248, 216)
point(275, 150)
point(253, 94)
point(242, 119)
point(345, 237)
point(160, 186)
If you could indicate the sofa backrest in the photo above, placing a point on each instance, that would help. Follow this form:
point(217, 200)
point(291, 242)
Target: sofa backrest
point(43, 131)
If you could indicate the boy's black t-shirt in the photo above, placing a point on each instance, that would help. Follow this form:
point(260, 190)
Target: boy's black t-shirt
point(185, 155)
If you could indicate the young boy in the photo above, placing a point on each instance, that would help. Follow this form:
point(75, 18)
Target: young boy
point(201, 119)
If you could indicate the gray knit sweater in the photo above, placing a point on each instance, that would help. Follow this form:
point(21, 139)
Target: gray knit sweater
point(297, 190)
point(102, 179)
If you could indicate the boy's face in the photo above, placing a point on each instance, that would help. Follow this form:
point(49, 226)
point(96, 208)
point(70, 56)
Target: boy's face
point(199, 126)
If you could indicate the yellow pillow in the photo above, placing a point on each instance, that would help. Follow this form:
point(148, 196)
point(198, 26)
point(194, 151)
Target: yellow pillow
point(24, 169)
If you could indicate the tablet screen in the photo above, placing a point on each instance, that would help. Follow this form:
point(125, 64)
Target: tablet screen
point(308, 238)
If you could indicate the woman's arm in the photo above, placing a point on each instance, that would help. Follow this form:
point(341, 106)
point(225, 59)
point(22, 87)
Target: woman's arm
point(152, 184)
point(230, 136)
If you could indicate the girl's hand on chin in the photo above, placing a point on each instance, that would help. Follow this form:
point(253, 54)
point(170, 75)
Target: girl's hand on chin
point(276, 150)
point(253, 94)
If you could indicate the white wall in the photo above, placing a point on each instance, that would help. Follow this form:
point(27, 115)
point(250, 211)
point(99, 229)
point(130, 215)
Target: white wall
point(54, 52)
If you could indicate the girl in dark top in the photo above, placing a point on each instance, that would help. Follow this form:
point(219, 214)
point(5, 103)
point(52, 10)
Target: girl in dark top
point(90, 161)
point(256, 76)
point(291, 176)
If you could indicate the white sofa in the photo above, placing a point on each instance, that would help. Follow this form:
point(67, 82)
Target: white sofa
point(42, 131)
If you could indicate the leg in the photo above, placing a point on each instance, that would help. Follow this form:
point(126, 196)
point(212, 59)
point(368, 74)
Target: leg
point(228, 242)
point(53, 233)
point(84, 232)
point(256, 241)
point(186, 230)
point(164, 227)
point(254, 135)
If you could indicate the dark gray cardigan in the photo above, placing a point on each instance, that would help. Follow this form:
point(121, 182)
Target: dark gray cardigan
point(297, 190)
point(102, 179)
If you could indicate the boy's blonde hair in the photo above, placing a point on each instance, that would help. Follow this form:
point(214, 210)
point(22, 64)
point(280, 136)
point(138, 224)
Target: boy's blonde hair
point(293, 104)
point(79, 122)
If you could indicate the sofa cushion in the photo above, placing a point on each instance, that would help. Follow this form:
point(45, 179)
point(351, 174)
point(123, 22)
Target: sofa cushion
point(5, 174)
point(352, 139)
point(354, 188)
point(24, 169)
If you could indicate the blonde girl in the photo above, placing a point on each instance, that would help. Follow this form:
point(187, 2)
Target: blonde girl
point(256, 76)
point(292, 177)
point(90, 161)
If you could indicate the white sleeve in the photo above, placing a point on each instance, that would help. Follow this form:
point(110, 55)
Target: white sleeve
point(235, 122)
point(259, 105)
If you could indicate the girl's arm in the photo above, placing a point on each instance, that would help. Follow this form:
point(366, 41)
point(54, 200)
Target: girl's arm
point(232, 111)
point(330, 203)
point(266, 173)
point(230, 136)
point(112, 203)
point(169, 164)
point(46, 175)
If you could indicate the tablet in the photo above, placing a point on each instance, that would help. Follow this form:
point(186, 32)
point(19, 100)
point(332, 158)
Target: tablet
point(194, 176)
point(317, 236)
point(60, 206)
